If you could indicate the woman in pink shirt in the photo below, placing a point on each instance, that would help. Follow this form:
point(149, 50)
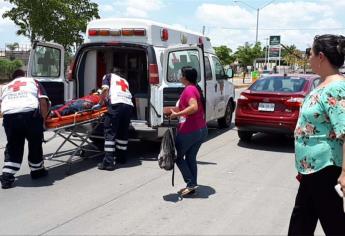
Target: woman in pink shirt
point(191, 130)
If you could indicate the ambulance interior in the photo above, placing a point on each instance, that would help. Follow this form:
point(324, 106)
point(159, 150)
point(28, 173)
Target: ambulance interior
point(97, 62)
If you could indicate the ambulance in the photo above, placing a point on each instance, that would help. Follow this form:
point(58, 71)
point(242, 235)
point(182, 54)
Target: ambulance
point(151, 55)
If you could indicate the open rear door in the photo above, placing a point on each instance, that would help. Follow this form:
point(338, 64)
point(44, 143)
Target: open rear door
point(46, 65)
point(174, 59)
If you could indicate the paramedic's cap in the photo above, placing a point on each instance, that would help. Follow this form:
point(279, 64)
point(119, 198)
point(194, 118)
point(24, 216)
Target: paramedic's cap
point(118, 71)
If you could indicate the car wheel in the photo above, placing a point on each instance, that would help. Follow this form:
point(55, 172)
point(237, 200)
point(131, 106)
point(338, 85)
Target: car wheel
point(225, 121)
point(245, 136)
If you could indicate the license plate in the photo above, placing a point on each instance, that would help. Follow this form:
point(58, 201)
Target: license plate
point(266, 106)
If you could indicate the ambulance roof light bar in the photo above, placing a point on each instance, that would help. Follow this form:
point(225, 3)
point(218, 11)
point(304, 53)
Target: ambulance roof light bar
point(123, 32)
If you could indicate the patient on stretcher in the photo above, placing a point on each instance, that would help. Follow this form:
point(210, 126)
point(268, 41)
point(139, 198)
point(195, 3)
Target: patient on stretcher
point(77, 105)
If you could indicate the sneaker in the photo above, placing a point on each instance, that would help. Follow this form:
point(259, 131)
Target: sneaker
point(36, 174)
point(103, 166)
point(7, 181)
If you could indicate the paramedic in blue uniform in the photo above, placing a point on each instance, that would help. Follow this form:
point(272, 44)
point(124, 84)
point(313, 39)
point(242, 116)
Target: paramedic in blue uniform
point(24, 106)
point(115, 91)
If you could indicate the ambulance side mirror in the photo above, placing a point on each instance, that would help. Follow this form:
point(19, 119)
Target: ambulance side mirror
point(229, 73)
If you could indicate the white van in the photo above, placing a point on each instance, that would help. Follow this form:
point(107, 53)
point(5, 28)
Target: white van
point(151, 55)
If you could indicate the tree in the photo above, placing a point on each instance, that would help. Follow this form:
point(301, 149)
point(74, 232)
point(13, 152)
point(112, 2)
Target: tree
point(61, 21)
point(293, 56)
point(247, 54)
point(7, 67)
point(12, 47)
point(224, 54)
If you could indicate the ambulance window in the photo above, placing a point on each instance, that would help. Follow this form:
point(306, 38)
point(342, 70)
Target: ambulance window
point(46, 62)
point(179, 59)
point(208, 69)
point(219, 70)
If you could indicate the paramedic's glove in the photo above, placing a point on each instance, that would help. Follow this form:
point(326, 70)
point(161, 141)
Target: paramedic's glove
point(96, 107)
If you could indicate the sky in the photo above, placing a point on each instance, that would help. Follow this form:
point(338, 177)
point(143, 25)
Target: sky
point(225, 22)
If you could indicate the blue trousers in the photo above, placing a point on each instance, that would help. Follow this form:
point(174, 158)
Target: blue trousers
point(187, 146)
point(116, 126)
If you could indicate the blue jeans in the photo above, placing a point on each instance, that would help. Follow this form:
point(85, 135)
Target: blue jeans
point(187, 146)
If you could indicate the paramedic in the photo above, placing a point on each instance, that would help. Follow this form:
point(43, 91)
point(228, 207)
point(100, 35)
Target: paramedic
point(115, 91)
point(24, 108)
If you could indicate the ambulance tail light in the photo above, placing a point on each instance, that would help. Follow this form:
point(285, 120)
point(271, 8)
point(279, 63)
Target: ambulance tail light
point(93, 32)
point(103, 32)
point(164, 34)
point(133, 32)
point(153, 72)
point(139, 32)
point(115, 32)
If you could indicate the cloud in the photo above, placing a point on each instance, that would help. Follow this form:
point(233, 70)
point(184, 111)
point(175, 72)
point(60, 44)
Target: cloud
point(297, 22)
point(4, 21)
point(106, 8)
point(132, 8)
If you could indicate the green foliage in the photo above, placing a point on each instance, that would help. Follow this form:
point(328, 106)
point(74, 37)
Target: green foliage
point(7, 67)
point(224, 54)
point(12, 46)
point(292, 56)
point(248, 53)
point(61, 21)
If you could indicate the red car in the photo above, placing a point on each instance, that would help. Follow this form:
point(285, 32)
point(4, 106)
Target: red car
point(272, 103)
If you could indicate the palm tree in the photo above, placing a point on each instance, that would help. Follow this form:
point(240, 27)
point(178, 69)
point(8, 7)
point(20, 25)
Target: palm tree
point(12, 47)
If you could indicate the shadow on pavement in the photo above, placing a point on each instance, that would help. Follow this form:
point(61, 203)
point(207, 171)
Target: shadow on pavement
point(202, 192)
point(269, 142)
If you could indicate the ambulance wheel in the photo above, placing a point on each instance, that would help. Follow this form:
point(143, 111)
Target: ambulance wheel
point(225, 121)
point(244, 136)
point(98, 142)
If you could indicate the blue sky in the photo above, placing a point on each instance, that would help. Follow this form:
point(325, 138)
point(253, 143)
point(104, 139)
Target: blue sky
point(226, 22)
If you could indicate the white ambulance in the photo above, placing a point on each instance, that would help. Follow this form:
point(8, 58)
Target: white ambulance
point(151, 55)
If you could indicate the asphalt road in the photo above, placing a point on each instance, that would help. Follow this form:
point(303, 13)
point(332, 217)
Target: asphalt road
point(245, 189)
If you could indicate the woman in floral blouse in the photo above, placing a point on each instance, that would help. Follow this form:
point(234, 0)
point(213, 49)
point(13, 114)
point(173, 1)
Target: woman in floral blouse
point(319, 144)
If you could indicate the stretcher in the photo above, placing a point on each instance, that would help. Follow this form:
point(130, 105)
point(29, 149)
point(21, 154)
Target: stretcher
point(76, 129)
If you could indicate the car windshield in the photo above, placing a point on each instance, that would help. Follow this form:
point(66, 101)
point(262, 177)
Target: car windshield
point(285, 84)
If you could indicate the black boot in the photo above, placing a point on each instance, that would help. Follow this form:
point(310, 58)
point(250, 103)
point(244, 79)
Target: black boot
point(106, 166)
point(36, 174)
point(7, 180)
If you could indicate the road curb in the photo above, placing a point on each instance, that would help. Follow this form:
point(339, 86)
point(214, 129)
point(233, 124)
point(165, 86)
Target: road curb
point(241, 86)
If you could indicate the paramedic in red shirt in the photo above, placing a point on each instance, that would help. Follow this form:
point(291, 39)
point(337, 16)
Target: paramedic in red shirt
point(116, 92)
point(24, 107)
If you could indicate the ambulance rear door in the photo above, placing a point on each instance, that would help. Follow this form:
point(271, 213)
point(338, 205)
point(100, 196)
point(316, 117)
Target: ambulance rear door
point(174, 59)
point(46, 65)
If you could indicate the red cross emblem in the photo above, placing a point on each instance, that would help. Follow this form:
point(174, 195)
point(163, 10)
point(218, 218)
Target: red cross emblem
point(16, 86)
point(123, 85)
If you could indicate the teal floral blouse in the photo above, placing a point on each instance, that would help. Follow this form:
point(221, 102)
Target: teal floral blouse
point(319, 128)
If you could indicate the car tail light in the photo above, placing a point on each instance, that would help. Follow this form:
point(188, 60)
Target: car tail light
point(153, 71)
point(294, 102)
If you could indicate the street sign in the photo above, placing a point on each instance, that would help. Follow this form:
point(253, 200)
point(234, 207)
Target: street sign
point(273, 52)
point(274, 40)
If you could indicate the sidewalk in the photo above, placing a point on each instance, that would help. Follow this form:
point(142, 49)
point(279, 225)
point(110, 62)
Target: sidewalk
point(238, 82)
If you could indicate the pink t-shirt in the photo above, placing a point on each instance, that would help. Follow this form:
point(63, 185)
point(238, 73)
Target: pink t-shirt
point(196, 121)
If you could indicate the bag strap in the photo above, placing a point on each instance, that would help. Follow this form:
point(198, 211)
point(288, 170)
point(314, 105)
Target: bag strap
point(173, 175)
